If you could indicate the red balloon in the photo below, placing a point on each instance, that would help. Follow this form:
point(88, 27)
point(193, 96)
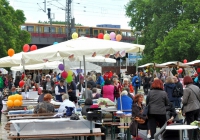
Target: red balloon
point(26, 48)
point(180, 70)
point(21, 83)
point(33, 47)
point(100, 36)
point(198, 70)
point(185, 61)
point(64, 74)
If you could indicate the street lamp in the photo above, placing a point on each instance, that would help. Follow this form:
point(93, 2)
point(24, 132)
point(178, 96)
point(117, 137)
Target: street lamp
point(137, 33)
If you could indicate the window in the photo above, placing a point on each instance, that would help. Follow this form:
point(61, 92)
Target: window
point(53, 29)
point(108, 32)
point(30, 28)
point(23, 28)
point(60, 31)
point(87, 31)
point(95, 33)
point(46, 29)
point(129, 34)
point(101, 31)
point(124, 34)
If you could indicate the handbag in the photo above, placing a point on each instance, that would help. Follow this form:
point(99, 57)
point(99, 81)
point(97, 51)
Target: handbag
point(146, 109)
point(139, 120)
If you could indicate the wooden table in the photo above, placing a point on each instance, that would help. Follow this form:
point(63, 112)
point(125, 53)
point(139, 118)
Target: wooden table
point(28, 115)
point(57, 136)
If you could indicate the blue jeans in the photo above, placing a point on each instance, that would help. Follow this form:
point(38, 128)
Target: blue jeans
point(136, 89)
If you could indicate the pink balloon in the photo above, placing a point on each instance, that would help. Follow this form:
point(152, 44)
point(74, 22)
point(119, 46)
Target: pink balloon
point(112, 35)
point(64, 74)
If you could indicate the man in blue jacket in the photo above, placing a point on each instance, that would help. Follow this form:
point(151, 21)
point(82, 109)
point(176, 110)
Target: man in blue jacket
point(136, 83)
point(100, 80)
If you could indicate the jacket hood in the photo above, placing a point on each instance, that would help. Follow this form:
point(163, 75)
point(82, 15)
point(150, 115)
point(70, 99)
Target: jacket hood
point(171, 85)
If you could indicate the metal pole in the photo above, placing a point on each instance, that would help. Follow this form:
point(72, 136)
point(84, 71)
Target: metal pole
point(85, 76)
point(79, 74)
point(137, 57)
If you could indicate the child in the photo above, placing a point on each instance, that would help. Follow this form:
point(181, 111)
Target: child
point(89, 92)
point(95, 95)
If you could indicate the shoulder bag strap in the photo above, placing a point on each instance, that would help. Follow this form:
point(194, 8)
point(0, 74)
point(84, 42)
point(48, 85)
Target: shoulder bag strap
point(195, 94)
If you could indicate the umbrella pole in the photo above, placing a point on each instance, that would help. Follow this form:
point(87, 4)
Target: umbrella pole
point(25, 85)
point(85, 76)
point(79, 74)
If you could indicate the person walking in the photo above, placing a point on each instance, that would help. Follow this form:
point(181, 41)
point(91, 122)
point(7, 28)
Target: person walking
point(191, 102)
point(136, 83)
point(157, 100)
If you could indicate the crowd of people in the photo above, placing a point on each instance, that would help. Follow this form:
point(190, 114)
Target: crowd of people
point(164, 94)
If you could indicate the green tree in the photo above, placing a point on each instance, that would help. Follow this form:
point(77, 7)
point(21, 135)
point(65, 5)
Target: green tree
point(11, 36)
point(156, 19)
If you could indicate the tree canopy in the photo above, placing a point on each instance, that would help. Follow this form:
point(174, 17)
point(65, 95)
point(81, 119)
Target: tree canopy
point(170, 28)
point(11, 36)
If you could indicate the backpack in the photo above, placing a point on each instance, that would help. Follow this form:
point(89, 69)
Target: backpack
point(137, 80)
point(177, 92)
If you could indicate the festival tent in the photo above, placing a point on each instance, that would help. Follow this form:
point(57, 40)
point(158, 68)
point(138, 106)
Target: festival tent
point(175, 64)
point(82, 46)
point(151, 65)
point(193, 63)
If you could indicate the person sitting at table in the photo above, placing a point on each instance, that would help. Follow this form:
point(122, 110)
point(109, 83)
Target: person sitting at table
point(37, 88)
point(60, 90)
point(66, 102)
point(88, 103)
point(48, 84)
point(45, 106)
point(124, 102)
point(13, 91)
point(95, 95)
point(41, 96)
point(137, 110)
point(89, 93)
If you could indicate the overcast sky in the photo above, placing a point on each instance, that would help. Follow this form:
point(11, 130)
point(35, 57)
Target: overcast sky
point(86, 12)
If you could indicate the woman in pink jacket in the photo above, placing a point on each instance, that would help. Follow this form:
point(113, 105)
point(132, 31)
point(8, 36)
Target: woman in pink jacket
point(108, 90)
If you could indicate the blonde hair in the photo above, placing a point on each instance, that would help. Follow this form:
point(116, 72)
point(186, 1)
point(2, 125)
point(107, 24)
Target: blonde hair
point(169, 79)
point(124, 92)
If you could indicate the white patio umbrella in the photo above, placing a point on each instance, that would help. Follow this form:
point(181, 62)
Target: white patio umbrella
point(82, 46)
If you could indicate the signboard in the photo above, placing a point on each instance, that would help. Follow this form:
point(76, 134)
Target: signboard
point(132, 57)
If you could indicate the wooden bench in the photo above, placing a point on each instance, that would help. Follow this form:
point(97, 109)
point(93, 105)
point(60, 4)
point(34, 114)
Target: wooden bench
point(28, 115)
point(55, 136)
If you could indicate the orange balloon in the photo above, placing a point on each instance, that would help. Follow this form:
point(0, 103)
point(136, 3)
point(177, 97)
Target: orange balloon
point(118, 37)
point(17, 103)
point(11, 52)
point(14, 97)
point(9, 103)
point(21, 103)
point(19, 97)
point(10, 97)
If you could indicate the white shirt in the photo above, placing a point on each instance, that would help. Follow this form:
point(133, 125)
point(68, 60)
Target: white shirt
point(65, 103)
point(56, 90)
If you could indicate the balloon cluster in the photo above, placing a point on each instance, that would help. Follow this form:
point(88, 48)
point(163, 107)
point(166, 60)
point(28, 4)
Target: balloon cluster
point(67, 75)
point(14, 100)
point(112, 36)
point(27, 48)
